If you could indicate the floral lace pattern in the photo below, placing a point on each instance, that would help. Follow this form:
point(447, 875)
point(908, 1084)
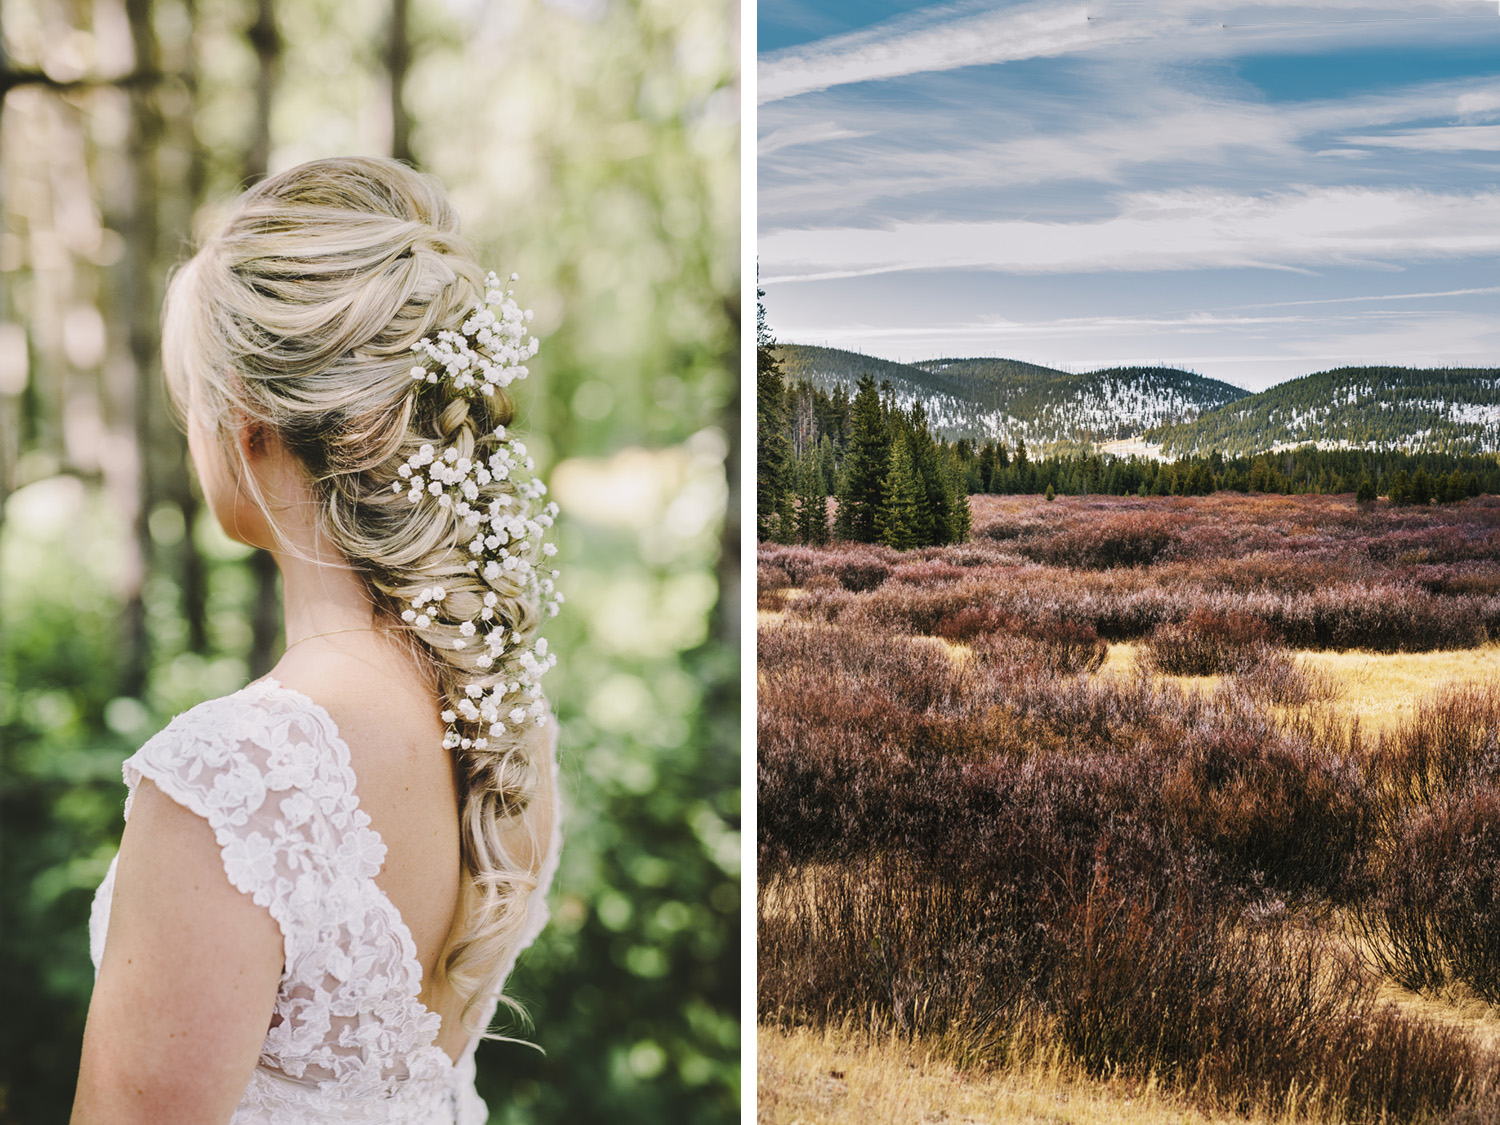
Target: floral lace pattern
point(349, 1039)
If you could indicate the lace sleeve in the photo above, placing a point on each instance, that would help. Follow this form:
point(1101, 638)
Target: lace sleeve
point(280, 805)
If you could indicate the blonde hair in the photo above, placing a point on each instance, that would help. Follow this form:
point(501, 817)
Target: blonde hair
point(300, 315)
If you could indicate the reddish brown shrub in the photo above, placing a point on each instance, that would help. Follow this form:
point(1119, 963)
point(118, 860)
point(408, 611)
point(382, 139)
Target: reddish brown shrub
point(1246, 1016)
point(860, 573)
point(771, 577)
point(1275, 677)
point(970, 621)
point(1049, 648)
point(1433, 912)
point(797, 563)
point(1208, 643)
point(928, 572)
point(1132, 539)
point(1267, 806)
point(1450, 743)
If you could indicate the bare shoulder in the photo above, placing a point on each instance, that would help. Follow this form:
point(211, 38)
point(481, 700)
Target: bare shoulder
point(386, 716)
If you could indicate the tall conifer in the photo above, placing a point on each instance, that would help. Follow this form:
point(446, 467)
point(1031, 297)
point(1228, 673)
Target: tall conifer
point(772, 449)
point(865, 464)
point(901, 517)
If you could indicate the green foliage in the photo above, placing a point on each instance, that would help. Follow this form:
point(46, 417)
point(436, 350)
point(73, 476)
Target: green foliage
point(633, 989)
point(1421, 487)
point(1401, 488)
point(901, 517)
point(919, 502)
point(865, 466)
point(1299, 471)
point(811, 502)
point(772, 449)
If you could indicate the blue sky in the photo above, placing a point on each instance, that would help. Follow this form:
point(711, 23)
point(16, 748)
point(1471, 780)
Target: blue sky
point(1251, 191)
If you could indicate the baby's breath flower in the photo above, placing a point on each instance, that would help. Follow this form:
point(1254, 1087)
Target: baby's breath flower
point(503, 533)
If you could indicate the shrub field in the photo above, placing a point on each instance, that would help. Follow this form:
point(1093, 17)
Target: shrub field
point(973, 834)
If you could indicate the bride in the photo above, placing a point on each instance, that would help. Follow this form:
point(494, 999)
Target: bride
point(326, 877)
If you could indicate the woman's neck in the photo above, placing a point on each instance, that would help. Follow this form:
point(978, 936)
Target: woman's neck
point(321, 596)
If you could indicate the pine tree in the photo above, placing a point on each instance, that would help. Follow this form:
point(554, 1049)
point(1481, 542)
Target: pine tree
point(812, 504)
point(1421, 487)
point(865, 464)
point(900, 517)
point(827, 466)
point(960, 518)
point(1365, 493)
point(986, 464)
point(772, 449)
point(1401, 488)
point(1020, 468)
point(935, 516)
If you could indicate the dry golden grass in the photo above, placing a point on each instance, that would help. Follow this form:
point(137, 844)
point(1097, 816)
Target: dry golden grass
point(1380, 689)
point(836, 1077)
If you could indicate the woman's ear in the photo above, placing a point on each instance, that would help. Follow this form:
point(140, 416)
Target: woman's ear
point(251, 437)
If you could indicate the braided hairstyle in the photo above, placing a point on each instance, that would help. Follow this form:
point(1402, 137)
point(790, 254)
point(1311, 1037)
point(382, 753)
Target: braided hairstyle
point(301, 314)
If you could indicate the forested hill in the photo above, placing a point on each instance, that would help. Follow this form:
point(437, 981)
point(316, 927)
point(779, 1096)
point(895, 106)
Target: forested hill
point(1006, 400)
point(1437, 410)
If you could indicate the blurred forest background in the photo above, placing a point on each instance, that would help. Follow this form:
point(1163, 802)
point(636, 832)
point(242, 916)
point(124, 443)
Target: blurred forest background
point(592, 147)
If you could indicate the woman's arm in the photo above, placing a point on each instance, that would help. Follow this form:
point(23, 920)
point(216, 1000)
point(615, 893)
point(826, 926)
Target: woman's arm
point(188, 981)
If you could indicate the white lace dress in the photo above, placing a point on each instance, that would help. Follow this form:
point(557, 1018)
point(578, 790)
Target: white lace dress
point(348, 1040)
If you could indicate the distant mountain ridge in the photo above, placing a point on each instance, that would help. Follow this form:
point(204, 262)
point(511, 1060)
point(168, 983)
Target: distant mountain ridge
point(1418, 410)
point(1006, 400)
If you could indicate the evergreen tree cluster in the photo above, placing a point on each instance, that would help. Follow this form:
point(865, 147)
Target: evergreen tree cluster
point(895, 483)
point(1407, 478)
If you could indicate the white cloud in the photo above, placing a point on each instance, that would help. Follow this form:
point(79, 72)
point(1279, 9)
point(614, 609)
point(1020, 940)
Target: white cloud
point(947, 38)
point(805, 135)
point(1453, 138)
point(1140, 122)
point(1175, 230)
point(1479, 104)
point(1032, 31)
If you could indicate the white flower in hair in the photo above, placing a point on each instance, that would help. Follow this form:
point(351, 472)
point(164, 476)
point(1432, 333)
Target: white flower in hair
point(503, 535)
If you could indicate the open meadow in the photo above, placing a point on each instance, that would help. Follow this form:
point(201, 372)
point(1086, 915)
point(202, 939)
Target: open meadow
point(1148, 810)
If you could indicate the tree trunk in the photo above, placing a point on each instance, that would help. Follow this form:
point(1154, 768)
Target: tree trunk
point(265, 39)
point(265, 619)
point(398, 61)
point(140, 308)
point(192, 576)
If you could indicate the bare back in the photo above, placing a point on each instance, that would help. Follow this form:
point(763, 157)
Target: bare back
point(405, 782)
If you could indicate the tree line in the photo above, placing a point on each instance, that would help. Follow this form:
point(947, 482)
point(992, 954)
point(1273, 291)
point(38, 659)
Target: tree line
point(1406, 478)
point(894, 482)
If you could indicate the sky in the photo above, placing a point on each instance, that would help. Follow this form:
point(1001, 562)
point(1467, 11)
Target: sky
point(1250, 191)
